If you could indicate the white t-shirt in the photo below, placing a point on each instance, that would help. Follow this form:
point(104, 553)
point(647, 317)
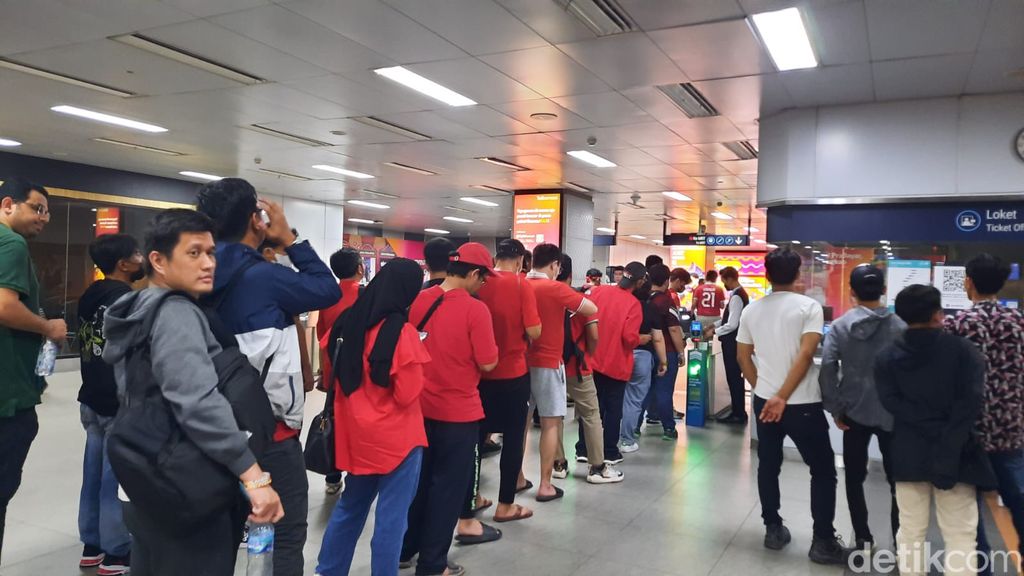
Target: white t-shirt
point(774, 325)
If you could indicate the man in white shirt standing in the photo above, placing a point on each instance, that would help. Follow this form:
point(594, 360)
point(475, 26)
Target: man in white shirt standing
point(784, 329)
point(726, 330)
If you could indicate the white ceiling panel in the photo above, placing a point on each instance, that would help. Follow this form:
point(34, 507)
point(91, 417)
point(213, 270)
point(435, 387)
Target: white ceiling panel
point(1003, 29)
point(715, 151)
point(281, 95)
point(475, 80)
point(676, 154)
point(604, 109)
point(547, 71)
point(682, 183)
point(577, 139)
point(926, 77)
point(739, 167)
point(910, 28)
point(378, 27)
point(549, 20)
point(703, 169)
point(642, 185)
point(629, 157)
point(722, 182)
point(649, 134)
point(838, 31)
point(996, 72)
point(625, 60)
point(522, 110)
point(718, 50)
point(659, 171)
point(205, 8)
point(476, 26)
point(749, 179)
point(535, 143)
point(652, 101)
point(432, 124)
point(741, 98)
point(355, 96)
point(830, 85)
point(485, 120)
point(702, 130)
point(671, 13)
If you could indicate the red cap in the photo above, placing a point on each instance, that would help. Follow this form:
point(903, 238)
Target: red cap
point(473, 253)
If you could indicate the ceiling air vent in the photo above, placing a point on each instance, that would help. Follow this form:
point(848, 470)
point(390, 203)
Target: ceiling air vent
point(286, 135)
point(689, 99)
point(603, 17)
point(393, 128)
point(19, 67)
point(187, 58)
point(743, 149)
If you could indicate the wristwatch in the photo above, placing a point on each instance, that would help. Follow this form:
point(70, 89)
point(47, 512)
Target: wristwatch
point(298, 240)
point(261, 482)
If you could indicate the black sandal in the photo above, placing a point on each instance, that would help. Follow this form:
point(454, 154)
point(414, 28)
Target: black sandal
point(525, 487)
point(490, 534)
point(558, 494)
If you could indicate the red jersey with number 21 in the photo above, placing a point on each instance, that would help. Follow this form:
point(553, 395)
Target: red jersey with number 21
point(708, 300)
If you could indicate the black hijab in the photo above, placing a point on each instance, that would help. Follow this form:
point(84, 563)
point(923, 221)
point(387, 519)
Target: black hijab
point(387, 298)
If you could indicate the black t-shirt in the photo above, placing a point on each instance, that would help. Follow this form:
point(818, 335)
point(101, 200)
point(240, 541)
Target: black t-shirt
point(662, 304)
point(650, 322)
point(99, 390)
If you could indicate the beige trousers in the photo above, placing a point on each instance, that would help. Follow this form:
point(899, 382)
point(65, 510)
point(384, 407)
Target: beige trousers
point(584, 395)
point(957, 513)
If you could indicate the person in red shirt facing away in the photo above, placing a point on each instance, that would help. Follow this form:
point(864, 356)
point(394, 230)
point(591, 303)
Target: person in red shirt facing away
point(621, 317)
point(708, 300)
point(379, 436)
point(547, 373)
point(459, 335)
point(346, 264)
point(505, 391)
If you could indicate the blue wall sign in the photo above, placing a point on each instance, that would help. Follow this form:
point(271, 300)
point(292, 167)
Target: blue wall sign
point(697, 239)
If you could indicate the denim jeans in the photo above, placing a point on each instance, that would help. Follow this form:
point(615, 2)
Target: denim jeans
point(636, 391)
point(394, 493)
point(100, 514)
point(1009, 469)
point(664, 388)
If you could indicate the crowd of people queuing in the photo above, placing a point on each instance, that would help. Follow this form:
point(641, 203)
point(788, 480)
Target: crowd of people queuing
point(423, 375)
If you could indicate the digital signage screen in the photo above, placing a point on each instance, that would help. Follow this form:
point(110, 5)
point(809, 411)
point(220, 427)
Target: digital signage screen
point(537, 219)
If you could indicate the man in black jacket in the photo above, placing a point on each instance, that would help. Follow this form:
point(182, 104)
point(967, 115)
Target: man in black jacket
point(931, 382)
point(100, 522)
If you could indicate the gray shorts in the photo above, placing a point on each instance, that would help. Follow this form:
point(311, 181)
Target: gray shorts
point(547, 391)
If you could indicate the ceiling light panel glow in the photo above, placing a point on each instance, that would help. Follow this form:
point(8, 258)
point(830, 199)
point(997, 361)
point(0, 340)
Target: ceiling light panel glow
point(424, 86)
point(785, 38)
point(342, 171)
point(592, 159)
point(108, 119)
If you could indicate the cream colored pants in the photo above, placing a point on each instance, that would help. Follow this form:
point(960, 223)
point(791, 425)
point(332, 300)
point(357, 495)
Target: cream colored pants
point(957, 513)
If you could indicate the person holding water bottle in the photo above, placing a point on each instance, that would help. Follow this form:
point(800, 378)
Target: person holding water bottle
point(24, 212)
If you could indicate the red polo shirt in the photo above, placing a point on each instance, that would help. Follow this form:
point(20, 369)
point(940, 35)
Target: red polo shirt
point(460, 338)
point(553, 299)
point(513, 307)
point(620, 314)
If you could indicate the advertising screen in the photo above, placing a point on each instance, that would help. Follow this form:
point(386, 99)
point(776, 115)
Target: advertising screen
point(537, 219)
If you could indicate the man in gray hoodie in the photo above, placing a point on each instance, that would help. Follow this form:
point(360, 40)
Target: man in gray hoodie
point(848, 389)
point(179, 256)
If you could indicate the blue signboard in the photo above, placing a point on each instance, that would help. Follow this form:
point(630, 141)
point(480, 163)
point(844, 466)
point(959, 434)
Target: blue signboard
point(947, 222)
point(697, 239)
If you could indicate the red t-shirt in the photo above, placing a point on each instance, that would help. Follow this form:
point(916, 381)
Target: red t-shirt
point(621, 315)
point(460, 338)
point(675, 299)
point(578, 323)
point(513, 307)
point(553, 299)
point(328, 316)
point(376, 427)
point(708, 300)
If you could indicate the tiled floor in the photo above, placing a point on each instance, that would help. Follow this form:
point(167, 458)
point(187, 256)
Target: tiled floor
point(685, 508)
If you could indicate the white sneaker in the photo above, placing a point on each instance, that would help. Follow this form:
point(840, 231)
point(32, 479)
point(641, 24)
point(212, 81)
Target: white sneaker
point(608, 474)
point(560, 471)
point(627, 448)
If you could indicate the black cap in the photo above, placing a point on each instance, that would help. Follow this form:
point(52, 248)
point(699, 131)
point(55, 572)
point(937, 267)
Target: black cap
point(510, 248)
point(634, 273)
point(867, 277)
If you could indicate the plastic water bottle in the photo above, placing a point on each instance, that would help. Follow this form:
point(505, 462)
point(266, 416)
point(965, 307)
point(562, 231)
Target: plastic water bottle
point(261, 550)
point(47, 359)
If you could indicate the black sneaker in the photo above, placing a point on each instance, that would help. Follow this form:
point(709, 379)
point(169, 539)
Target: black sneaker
point(114, 566)
point(653, 420)
point(92, 556)
point(776, 536)
point(489, 448)
point(829, 551)
point(613, 458)
point(670, 434)
point(455, 569)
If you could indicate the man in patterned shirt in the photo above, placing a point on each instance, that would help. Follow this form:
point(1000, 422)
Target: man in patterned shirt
point(998, 332)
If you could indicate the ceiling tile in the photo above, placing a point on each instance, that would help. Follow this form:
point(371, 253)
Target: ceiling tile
point(910, 28)
point(996, 72)
point(702, 130)
point(522, 110)
point(654, 103)
point(838, 31)
point(351, 94)
point(658, 171)
point(604, 109)
point(830, 85)
point(205, 8)
point(625, 60)
point(671, 13)
point(431, 123)
point(281, 95)
point(718, 50)
point(476, 26)
point(629, 157)
point(535, 143)
point(703, 169)
point(475, 80)
point(722, 182)
point(739, 167)
point(716, 151)
point(650, 134)
point(926, 77)
point(547, 71)
point(576, 139)
point(676, 154)
point(549, 20)
point(485, 120)
point(1003, 28)
point(744, 98)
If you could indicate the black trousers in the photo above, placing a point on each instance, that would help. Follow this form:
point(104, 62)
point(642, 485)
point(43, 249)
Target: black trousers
point(446, 471)
point(855, 459)
point(734, 375)
point(610, 394)
point(506, 404)
point(208, 550)
point(287, 466)
point(806, 425)
point(16, 435)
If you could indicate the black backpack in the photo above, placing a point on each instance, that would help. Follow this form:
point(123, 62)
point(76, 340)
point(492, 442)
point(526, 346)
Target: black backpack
point(161, 470)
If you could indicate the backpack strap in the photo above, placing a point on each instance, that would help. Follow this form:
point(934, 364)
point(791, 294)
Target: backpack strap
point(430, 312)
point(137, 384)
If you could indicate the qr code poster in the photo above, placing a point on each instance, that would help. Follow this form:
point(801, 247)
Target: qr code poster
point(950, 282)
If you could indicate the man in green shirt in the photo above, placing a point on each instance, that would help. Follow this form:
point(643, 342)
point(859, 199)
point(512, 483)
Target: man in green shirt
point(24, 211)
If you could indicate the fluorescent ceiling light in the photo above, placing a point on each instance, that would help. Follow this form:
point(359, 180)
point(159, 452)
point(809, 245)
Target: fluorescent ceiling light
point(410, 168)
point(759, 241)
point(491, 188)
point(342, 171)
point(286, 175)
point(390, 127)
point(187, 58)
point(436, 231)
point(591, 158)
point(603, 17)
point(785, 37)
point(108, 118)
point(677, 196)
point(366, 204)
point(689, 99)
point(751, 229)
point(772, 246)
point(472, 200)
point(457, 219)
point(7, 142)
point(200, 175)
point(285, 135)
point(658, 241)
point(502, 163)
point(608, 230)
point(362, 221)
point(134, 146)
point(18, 67)
point(424, 86)
point(883, 241)
point(721, 215)
point(638, 237)
point(795, 241)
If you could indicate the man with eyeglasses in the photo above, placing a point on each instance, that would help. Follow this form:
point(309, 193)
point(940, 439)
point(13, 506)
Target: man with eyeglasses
point(24, 212)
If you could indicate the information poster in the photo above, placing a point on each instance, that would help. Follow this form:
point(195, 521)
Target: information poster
point(903, 273)
point(950, 282)
point(537, 219)
point(108, 221)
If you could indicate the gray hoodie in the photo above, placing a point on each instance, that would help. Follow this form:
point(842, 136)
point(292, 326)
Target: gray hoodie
point(182, 347)
point(848, 362)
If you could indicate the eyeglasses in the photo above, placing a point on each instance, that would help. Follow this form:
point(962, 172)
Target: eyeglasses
point(37, 208)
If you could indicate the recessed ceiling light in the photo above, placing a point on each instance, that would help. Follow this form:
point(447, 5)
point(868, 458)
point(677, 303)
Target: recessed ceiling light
point(785, 37)
point(410, 79)
point(795, 241)
point(362, 221)
point(883, 241)
point(544, 116)
point(677, 196)
point(436, 231)
point(457, 219)
point(201, 176)
point(658, 241)
point(608, 230)
point(19, 67)
point(751, 229)
point(808, 246)
point(772, 246)
point(134, 146)
point(342, 171)
point(366, 204)
point(591, 158)
point(108, 118)
point(502, 163)
point(410, 168)
point(758, 241)
point(638, 237)
point(8, 142)
point(472, 200)
point(721, 215)
point(178, 55)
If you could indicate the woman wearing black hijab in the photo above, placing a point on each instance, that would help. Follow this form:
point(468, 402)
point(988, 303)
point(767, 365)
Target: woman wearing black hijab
point(379, 436)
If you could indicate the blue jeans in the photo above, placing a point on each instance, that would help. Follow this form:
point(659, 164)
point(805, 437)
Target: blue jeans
point(1009, 469)
point(100, 515)
point(394, 493)
point(636, 392)
point(664, 388)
